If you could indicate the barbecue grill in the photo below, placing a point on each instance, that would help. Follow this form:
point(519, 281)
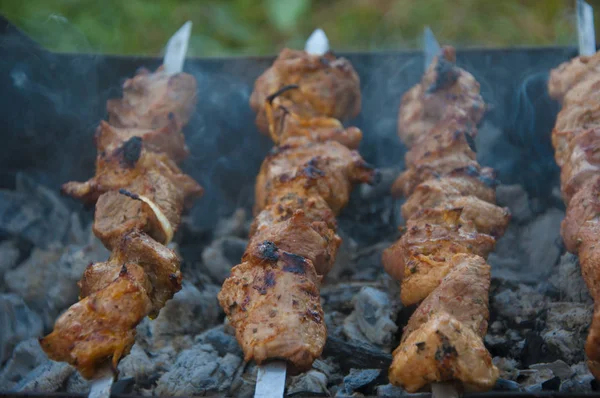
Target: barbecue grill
point(52, 103)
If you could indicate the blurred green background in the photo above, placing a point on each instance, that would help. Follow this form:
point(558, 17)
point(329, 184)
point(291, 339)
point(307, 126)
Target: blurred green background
point(243, 27)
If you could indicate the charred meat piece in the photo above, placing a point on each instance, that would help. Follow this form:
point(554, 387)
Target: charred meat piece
point(168, 139)
point(151, 100)
point(445, 91)
point(568, 74)
point(421, 257)
point(326, 169)
point(313, 240)
point(583, 162)
point(443, 339)
point(326, 87)
point(272, 301)
point(119, 169)
point(152, 203)
point(101, 327)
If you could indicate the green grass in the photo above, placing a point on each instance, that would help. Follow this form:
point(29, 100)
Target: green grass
point(243, 27)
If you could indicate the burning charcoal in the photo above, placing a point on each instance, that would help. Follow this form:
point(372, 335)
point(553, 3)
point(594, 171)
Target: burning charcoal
point(18, 323)
point(373, 315)
point(244, 382)
point(568, 280)
point(310, 383)
point(47, 377)
point(519, 306)
point(330, 369)
point(367, 262)
point(339, 297)
point(222, 255)
point(26, 356)
point(76, 384)
point(507, 366)
point(136, 365)
point(566, 327)
point(351, 355)
point(197, 371)
point(539, 239)
point(235, 225)
point(515, 198)
point(580, 382)
point(222, 342)
point(360, 378)
point(390, 391)
point(531, 380)
point(33, 213)
point(190, 311)
point(47, 280)
point(559, 368)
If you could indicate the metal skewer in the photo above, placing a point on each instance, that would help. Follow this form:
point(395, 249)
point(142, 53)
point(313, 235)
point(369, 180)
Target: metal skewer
point(432, 49)
point(585, 28)
point(270, 379)
point(173, 63)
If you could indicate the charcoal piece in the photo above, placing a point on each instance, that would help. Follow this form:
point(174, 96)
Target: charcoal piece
point(47, 280)
point(137, 365)
point(375, 316)
point(47, 377)
point(221, 341)
point(18, 323)
point(197, 371)
point(33, 213)
point(350, 355)
point(311, 383)
point(551, 385)
point(9, 255)
point(234, 225)
point(360, 378)
point(559, 368)
point(26, 356)
point(390, 391)
point(190, 311)
point(567, 279)
point(222, 255)
point(506, 385)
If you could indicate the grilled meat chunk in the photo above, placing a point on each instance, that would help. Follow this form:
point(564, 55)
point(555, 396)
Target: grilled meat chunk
point(136, 281)
point(443, 339)
point(445, 91)
point(326, 169)
point(168, 139)
point(326, 87)
point(313, 240)
point(151, 100)
point(583, 162)
point(119, 169)
point(272, 301)
point(421, 257)
point(568, 74)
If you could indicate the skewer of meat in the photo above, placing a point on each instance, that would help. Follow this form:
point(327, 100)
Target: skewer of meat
point(452, 224)
point(139, 194)
point(576, 140)
point(272, 297)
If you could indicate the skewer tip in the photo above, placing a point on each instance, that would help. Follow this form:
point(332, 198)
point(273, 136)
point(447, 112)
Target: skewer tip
point(317, 43)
